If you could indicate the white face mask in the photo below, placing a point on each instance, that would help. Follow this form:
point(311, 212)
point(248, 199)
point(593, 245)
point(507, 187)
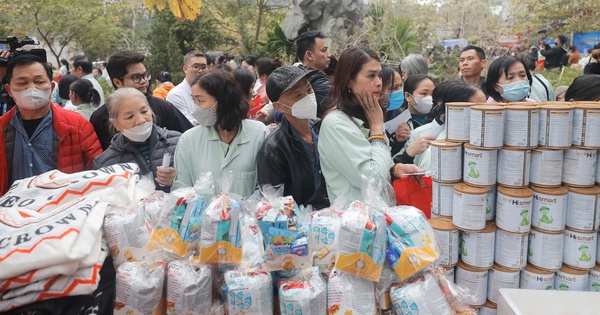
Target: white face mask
point(32, 98)
point(423, 104)
point(205, 117)
point(305, 108)
point(139, 133)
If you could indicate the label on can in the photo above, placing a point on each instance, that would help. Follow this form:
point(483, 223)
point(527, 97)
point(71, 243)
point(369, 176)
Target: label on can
point(521, 128)
point(475, 282)
point(582, 211)
point(485, 310)
point(468, 210)
point(597, 171)
point(490, 203)
point(579, 167)
point(594, 281)
point(513, 167)
point(564, 281)
point(450, 274)
point(442, 194)
point(513, 214)
point(479, 167)
point(549, 211)
point(487, 128)
point(477, 248)
point(510, 250)
point(546, 167)
point(556, 128)
point(545, 250)
point(536, 281)
point(579, 249)
point(449, 243)
point(498, 279)
point(458, 123)
point(446, 163)
point(586, 127)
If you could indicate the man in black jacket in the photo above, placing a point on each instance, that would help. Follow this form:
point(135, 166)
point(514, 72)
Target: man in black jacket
point(126, 69)
point(555, 55)
point(312, 50)
point(289, 155)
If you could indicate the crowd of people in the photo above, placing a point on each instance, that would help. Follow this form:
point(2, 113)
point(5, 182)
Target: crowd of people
point(314, 127)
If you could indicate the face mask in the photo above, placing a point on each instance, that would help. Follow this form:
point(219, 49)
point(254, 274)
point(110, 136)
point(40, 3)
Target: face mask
point(423, 104)
point(396, 99)
point(205, 117)
point(32, 98)
point(515, 91)
point(305, 108)
point(139, 133)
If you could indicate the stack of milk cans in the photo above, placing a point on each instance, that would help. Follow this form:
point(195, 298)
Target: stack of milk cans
point(516, 197)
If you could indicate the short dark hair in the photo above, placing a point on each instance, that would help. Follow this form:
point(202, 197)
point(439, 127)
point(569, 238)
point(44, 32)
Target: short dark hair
point(387, 76)
point(499, 66)
point(223, 66)
point(527, 60)
point(164, 76)
point(85, 90)
point(480, 52)
point(411, 84)
point(233, 103)
point(25, 60)
point(245, 78)
point(447, 92)
point(209, 59)
point(251, 60)
point(99, 70)
point(584, 88)
point(332, 65)
point(267, 65)
point(64, 85)
point(83, 62)
point(118, 62)
point(562, 39)
point(573, 48)
point(306, 42)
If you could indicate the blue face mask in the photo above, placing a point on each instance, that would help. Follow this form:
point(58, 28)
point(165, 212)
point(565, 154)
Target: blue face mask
point(396, 99)
point(515, 91)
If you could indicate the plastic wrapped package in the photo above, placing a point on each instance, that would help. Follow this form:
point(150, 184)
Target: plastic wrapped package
point(458, 298)
point(220, 231)
point(249, 292)
point(412, 243)
point(324, 233)
point(423, 296)
point(350, 295)
point(189, 288)
point(304, 294)
point(140, 289)
point(127, 234)
point(382, 287)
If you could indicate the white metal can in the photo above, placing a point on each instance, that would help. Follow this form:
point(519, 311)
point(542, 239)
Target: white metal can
point(458, 119)
point(441, 201)
point(579, 249)
point(488, 309)
point(477, 248)
point(556, 126)
point(536, 279)
point(549, 208)
point(546, 167)
point(473, 279)
point(521, 126)
point(569, 279)
point(450, 273)
point(513, 167)
point(500, 277)
point(513, 209)
point(579, 167)
point(594, 281)
point(468, 209)
point(545, 249)
point(487, 126)
point(446, 161)
point(583, 208)
point(586, 125)
point(511, 249)
point(448, 237)
point(598, 171)
point(598, 249)
point(490, 203)
point(479, 166)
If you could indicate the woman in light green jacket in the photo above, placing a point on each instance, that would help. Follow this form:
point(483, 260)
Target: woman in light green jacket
point(352, 140)
point(224, 140)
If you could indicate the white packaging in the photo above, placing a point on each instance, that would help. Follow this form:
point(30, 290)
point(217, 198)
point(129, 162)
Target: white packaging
point(468, 209)
point(479, 166)
point(513, 214)
point(487, 126)
point(442, 195)
point(490, 206)
point(499, 278)
point(423, 296)
point(189, 288)
point(511, 249)
point(139, 288)
point(513, 167)
point(449, 244)
point(583, 209)
point(306, 295)
point(594, 281)
point(446, 161)
point(579, 249)
point(536, 281)
point(473, 280)
point(477, 248)
point(521, 127)
point(549, 210)
point(249, 292)
point(586, 127)
point(546, 167)
point(568, 281)
point(127, 236)
point(579, 167)
point(323, 237)
point(458, 122)
point(545, 250)
point(348, 294)
point(556, 126)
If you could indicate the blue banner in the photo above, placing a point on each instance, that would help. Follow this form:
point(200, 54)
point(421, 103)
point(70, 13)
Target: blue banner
point(586, 40)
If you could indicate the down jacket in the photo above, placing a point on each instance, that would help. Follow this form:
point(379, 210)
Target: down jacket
point(121, 150)
point(75, 143)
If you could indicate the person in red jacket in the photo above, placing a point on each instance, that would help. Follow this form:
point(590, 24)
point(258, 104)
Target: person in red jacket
point(36, 135)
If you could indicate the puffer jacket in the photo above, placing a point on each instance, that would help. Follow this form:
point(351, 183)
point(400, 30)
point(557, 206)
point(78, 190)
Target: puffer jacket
point(121, 150)
point(75, 143)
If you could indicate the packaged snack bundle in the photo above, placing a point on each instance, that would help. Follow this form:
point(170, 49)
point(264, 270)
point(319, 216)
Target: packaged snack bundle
point(412, 244)
point(304, 294)
point(219, 234)
point(249, 292)
point(422, 296)
point(140, 289)
point(285, 229)
point(189, 288)
point(458, 298)
point(324, 232)
point(361, 241)
point(165, 236)
point(349, 294)
point(382, 287)
point(127, 234)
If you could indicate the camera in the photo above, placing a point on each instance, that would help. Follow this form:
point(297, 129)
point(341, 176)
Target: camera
point(15, 44)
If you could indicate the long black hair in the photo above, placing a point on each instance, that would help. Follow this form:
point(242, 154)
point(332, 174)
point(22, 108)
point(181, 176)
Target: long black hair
point(86, 92)
point(448, 92)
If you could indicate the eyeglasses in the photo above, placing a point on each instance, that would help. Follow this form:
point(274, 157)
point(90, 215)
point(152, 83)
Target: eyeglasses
point(137, 78)
point(197, 67)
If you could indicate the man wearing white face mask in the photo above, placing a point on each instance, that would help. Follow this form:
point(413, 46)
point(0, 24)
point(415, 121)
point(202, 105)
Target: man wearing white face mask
point(289, 155)
point(37, 136)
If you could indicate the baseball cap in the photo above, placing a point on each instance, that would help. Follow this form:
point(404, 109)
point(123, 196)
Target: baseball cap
point(283, 79)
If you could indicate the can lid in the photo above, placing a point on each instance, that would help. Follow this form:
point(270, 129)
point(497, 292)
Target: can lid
point(556, 103)
point(560, 106)
point(462, 187)
point(510, 148)
point(584, 191)
point(515, 192)
point(459, 104)
point(530, 104)
point(569, 270)
point(504, 269)
point(547, 149)
point(444, 143)
point(540, 230)
point(490, 304)
point(472, 147)
point(534, 106)
point(489, 227)
point(550, 191)
point(464, 266)
point(442, 224)
point(586, 104)
point(576, 230)
point(597, 267)
point(487, 107)
point(533, 269)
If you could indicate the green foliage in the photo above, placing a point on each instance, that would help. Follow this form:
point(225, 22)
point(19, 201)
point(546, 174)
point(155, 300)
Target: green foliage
point(558, 78)
point(444, 67)
point(277, 45)
point(106, 88)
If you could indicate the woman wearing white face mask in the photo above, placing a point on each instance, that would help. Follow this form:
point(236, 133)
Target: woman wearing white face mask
point(224, 140)
point(139, 140)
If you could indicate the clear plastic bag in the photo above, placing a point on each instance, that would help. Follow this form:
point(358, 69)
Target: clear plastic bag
point(139, 289)
point(324, 234)
point(423, 296)
point(304, 294)
point(189, 288)
point(350, 294)
point(249, 292)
